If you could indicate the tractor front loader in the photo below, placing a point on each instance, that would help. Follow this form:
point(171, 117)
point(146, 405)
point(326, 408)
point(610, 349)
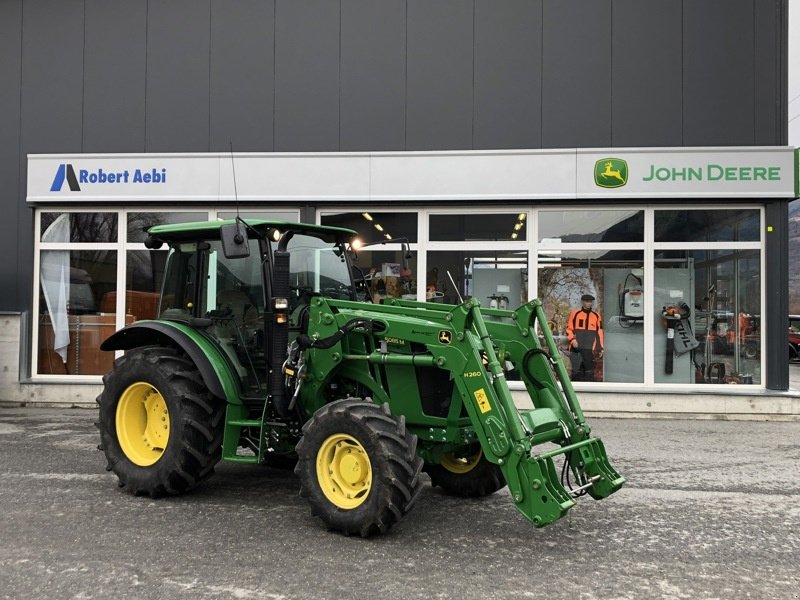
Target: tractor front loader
point(262, 353)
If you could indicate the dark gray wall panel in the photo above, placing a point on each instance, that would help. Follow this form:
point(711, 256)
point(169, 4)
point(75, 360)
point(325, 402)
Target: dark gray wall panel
point(177, 75)
point(440, 75)
point(373, 75)
point(307, 75)
point(114, 83)
point(242, 74)
point(52, 75)
point(647, 73)
point(770, 68)
point(576, 95)
point(508, 74)
point(10, 205)
point(776, 284)
point(718, 63)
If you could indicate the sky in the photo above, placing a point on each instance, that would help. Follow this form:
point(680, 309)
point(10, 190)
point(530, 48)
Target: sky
point(794, 72)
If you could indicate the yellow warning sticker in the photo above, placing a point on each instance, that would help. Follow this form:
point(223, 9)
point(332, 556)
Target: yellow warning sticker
point(483, 401)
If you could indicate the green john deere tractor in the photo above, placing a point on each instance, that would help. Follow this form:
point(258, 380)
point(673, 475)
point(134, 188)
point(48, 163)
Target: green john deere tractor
point(262, 353)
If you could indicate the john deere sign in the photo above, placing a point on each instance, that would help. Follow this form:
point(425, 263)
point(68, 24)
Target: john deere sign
point(611, 172)
point(686, 172)
point(713, 173)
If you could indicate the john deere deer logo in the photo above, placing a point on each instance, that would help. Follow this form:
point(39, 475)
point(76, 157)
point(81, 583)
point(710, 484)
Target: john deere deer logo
point(611, 172)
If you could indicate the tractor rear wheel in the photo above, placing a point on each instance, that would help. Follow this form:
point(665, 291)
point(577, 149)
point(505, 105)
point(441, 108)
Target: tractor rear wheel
point(467, 475)
point(358, 467)
point(160, 428)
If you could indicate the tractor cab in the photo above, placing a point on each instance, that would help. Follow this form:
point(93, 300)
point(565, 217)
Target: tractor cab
point(223, 278)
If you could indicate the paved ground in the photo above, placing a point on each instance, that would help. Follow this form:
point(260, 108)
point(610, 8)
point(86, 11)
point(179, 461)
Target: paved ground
point(711, 510)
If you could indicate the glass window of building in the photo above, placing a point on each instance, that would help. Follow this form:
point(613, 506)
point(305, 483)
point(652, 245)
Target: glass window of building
point(496, 279)
point(708, 298)
point(375, 227)
point(478, 227)
point(385, 266)
point(79, 227)
point(710, 304)
point(594, 305)
point(682, 225)
point(590, 225)
point(75, 286)
point(138, 222)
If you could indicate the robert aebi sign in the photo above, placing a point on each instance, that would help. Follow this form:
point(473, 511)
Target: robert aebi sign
point(74, 178)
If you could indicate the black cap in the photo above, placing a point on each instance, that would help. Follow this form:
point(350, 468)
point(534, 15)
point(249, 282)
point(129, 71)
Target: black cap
point(587, 298)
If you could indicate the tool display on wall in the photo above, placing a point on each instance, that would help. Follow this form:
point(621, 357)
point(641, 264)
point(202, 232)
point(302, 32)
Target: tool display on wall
point(631, 299)
point(680, 338)
point(671, 315)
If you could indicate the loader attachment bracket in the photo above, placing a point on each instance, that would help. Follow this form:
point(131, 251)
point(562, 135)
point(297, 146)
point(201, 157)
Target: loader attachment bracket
point(543, 497)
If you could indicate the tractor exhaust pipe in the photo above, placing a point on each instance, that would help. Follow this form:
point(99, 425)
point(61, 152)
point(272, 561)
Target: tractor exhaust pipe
point(279, 342)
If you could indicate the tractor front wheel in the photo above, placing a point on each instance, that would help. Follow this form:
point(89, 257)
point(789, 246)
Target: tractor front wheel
point(358, 467)
point(466, 474)
point(160, 428)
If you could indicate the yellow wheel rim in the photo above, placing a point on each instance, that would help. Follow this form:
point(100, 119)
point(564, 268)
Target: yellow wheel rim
point(344, 471)
point(461, 465)
point(142, 424)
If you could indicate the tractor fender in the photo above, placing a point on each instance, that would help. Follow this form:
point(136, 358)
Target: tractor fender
point(217, 375)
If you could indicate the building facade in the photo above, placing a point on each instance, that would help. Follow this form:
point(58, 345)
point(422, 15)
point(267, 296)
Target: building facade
point(634, 153)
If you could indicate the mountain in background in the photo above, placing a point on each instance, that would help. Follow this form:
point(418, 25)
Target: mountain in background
point(794, 257)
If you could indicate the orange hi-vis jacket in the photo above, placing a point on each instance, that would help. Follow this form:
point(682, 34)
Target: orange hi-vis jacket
point(585, 327)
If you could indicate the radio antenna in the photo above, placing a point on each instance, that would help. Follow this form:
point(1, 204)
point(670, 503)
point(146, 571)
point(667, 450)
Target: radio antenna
point(235, 191)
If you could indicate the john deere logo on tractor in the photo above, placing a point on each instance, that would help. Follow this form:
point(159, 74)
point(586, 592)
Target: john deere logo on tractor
point(611, 172)
point(445, 337)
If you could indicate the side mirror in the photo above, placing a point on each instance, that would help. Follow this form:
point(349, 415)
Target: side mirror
point(234, 240)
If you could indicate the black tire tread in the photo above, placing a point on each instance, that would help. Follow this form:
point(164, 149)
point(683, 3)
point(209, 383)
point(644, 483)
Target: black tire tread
point(396, 467)
point(197, 422)
point(483, 480)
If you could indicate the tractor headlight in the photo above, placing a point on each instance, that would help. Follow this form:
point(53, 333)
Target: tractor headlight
point(281, 310)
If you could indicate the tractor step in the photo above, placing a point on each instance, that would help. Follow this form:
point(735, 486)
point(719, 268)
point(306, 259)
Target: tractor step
point(233, 432)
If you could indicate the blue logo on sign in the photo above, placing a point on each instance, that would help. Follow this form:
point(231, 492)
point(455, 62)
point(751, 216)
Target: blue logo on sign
point(65, 171)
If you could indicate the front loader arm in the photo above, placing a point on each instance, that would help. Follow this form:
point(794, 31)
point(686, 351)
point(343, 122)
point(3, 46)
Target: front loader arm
point(458, 339)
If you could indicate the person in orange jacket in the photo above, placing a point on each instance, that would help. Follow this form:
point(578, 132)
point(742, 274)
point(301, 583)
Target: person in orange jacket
point(585, 335)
